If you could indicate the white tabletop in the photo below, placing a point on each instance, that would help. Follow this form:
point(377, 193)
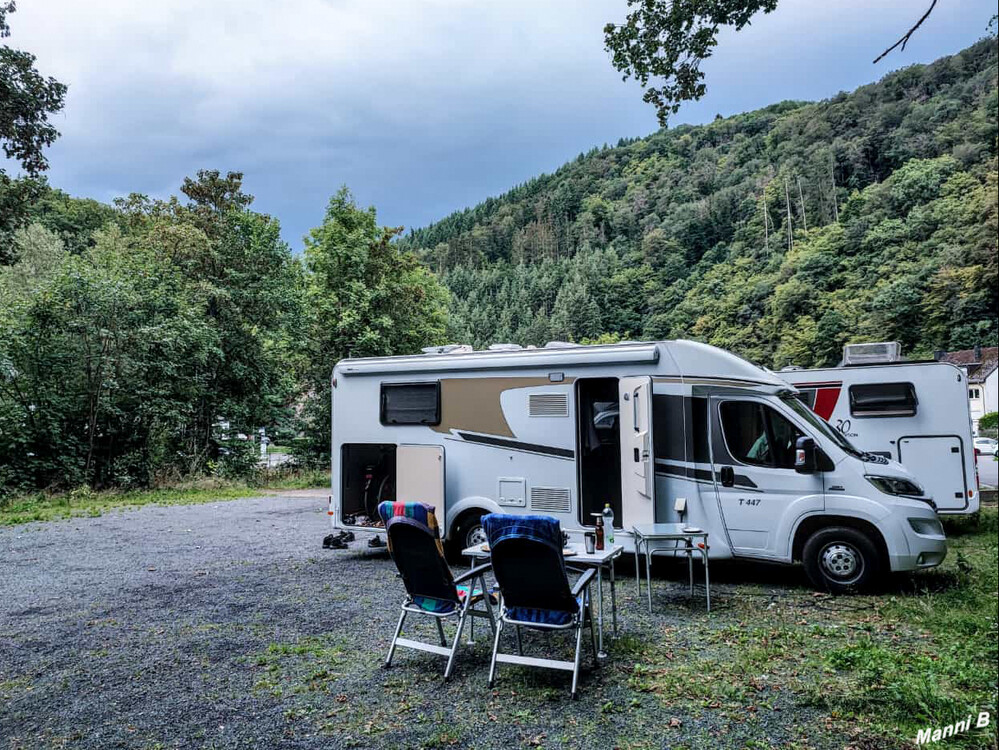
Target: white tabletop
point(581, 556)
point(667, 530)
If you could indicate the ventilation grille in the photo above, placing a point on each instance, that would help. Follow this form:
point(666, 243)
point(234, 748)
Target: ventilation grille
point(548, 405)
point(551, 499)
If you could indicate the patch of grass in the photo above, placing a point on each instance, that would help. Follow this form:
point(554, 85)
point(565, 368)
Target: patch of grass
point(296, 480)
point(888, 665)
point(83, 501)
point(304, 666)
point(10, 689)
point(444, 737)
point(938, 663)
point(735, 667)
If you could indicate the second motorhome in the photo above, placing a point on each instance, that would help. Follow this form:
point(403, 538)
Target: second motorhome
point(915, 413)
point(661, 431)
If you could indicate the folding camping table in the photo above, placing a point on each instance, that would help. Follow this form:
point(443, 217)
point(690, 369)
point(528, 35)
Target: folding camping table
point(600, 559)
point(646, 534)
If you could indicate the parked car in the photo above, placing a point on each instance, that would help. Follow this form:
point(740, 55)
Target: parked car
point(986, 446)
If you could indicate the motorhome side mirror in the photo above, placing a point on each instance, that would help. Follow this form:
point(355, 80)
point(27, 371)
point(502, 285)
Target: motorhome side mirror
point(804, 455)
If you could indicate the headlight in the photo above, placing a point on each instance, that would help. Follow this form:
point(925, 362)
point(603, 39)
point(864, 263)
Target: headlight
point(896, 486)
point(926, 526)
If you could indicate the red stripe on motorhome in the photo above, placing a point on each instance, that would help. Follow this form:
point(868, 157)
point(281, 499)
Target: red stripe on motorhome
point(825, 401)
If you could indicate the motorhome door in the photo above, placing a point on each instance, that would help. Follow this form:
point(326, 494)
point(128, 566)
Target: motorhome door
point(638, 479)
point(420, 476)
point(757, 485)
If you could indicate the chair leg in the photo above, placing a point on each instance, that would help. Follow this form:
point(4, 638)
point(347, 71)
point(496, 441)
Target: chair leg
point(457, 640)
point(492, 663)
point(520, 644)
point(579, 647)
point(489, 606)
point(440, 631)
point(398, 632)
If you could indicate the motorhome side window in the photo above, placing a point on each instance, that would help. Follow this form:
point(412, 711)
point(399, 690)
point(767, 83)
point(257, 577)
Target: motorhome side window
point(411, 403)
point(883, 400)
point(756, 434)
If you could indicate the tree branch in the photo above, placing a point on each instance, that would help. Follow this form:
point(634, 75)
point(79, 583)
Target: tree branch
point(905, 39)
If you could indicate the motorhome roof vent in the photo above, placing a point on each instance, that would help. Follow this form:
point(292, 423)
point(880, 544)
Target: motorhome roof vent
point(505, 347)
point(551, 499)
point(448, 349)
point(548, 405)
point(872, 354)
point(791, 368)
point(560, 345)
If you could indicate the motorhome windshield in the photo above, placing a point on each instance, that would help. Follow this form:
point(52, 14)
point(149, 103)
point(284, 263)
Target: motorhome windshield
point(822, 425)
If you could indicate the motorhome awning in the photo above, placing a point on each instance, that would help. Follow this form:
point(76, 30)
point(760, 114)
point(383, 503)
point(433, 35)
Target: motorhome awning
point(486, 360)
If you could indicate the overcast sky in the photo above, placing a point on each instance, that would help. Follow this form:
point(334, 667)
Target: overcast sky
point(421, 107)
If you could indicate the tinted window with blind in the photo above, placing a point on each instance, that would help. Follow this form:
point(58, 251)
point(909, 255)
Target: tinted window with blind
point(756, 434)
point(883, 400)
point(411, 403)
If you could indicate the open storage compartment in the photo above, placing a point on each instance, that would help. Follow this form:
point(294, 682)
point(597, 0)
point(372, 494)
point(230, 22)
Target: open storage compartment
point(367, 477)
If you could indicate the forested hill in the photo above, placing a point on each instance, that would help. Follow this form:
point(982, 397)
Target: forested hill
point(888, 194)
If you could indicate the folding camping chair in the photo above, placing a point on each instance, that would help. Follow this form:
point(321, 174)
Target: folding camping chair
point(528, 564)
point(415, 545)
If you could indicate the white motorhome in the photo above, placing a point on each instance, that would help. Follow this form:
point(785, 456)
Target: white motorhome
point(915, 413)
point(563, 430)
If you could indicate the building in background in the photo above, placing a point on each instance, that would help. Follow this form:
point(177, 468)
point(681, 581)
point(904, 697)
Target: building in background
point(982, 366)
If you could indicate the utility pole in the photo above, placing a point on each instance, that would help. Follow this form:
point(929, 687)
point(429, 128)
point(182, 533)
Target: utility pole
point(790, 221)
point(766, 224)
point(832, 177)
point(801, 201)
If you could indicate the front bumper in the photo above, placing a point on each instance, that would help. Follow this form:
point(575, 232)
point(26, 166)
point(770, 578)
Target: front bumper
point(917, 550)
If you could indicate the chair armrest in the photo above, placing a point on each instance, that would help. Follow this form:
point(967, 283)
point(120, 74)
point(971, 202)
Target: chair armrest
point(474, 572)
point(584, 580)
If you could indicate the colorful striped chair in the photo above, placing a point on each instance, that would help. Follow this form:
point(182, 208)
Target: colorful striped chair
point(529, 566)
point(415, 544)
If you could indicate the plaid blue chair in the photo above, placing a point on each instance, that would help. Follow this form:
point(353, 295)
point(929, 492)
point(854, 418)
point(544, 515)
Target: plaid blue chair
point(529, 567)
point(415, 545)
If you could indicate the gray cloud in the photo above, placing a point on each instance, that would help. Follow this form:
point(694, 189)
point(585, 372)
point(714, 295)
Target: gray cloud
point(420, 107)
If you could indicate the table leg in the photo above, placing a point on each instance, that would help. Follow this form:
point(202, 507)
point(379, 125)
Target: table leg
point(690, 565)
point(600, 613)
point(638, 567)
point(613, 599)
point(707, 582)
point(648, 573)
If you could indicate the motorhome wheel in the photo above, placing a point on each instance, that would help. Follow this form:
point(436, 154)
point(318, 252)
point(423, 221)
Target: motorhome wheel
point(469, 531)
point(841, 560)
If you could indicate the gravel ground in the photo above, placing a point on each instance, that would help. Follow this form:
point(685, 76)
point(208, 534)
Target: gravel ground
point(226, 625)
